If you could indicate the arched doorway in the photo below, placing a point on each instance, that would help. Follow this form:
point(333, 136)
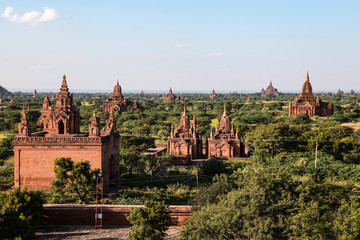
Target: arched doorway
point(61, 127)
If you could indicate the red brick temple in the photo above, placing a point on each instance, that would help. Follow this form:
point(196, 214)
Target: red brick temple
point(308, 104)
point(224, 143)
point(213, 94)
point(35, 153)
point(269, 90)
point(117, 102)
point(171, 97)
point(185, 142)
point(339, 92)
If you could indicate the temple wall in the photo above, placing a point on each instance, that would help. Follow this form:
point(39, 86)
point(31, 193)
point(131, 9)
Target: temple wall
point(55, 214)
point(34, 165)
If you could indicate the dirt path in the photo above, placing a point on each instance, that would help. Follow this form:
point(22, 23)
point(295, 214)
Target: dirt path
point(88, 232)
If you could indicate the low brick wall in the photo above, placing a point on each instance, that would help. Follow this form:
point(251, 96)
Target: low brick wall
point(68, 214)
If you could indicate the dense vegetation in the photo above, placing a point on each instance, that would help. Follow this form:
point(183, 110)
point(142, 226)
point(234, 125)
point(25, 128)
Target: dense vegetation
point(19, 212)
point(278, 193)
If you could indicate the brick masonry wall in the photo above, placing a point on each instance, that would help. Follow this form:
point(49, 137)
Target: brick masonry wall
point(34, 165)
point(65, 214)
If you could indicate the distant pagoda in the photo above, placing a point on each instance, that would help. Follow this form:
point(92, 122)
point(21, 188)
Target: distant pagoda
point(213, 94)
point(117, 102)
point(171, 97)
point(269, 90)
point(308, 104)
point(339, 92)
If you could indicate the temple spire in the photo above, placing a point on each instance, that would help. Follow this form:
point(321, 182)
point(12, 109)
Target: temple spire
point(94, 130)
point(184, 114)
point(307, 76)
point(94, 120)
point(110, 122)
point(64, 86)
point(224, 121)
point(24, 126)
point(23, 115)
point(224, 114)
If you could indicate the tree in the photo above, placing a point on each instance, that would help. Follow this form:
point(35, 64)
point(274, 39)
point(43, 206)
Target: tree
point(274, 138)
point(74, 180)
point(259, 207)
point(5, 148)
point(19, 212)
point(152, 165)
point(129, 159)
point(348, 218)
point(151, 222)
point(136, 143)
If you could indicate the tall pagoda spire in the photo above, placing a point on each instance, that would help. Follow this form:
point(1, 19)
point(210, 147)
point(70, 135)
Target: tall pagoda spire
point(184, 110)
point(184, 120)
point(225, 121)
point(306, 90)
point(224, 114)
point(110, 122)
point(46, 103)
point(307, 76)
point(194, 122)
point(64, 87)
point(24, 126)
point(117, 94)
point(94, 130)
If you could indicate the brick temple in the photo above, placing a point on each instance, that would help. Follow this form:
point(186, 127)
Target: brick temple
point(269, 90)
point(213, 94)
point(224, 143)
point(308, 104)
point(171, 97)
point(117, 102)
point(185, 142)
point(34, 153)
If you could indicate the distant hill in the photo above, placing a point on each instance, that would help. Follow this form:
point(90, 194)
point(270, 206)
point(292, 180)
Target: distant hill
point(4, 92)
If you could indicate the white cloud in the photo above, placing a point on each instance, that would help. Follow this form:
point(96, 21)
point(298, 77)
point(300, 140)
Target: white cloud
point(215, 54)
point(179, 45)
point(32, 17)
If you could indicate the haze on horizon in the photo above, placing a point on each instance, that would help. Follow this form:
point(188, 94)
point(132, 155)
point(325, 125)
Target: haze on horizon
point(193, 45)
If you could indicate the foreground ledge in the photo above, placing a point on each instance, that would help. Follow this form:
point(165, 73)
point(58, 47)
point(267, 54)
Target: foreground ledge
point(114, 215)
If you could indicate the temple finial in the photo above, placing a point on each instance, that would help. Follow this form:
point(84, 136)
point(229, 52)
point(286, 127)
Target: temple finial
point(94, 116)
point(307, 76)
point(224, 114)
point(23, 114)
point(64, 87)
point(117, 81)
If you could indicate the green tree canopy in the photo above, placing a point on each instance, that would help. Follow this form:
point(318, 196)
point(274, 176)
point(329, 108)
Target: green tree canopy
point(74, 180)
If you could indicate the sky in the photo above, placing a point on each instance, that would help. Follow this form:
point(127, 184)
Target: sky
point(187, 45)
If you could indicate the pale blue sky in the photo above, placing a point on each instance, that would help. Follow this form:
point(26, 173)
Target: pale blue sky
point(188, 45)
